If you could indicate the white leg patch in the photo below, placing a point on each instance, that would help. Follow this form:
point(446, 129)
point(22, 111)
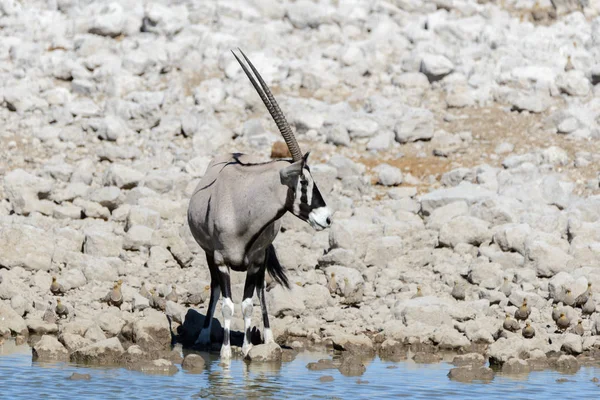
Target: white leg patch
point(227, 309)
point(247, 313)
point(268, 336)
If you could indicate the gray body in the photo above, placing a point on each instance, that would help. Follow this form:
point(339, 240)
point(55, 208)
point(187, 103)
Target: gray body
point(235, 209)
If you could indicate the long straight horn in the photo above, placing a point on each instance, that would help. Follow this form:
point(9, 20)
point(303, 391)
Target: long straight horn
point(273, 107)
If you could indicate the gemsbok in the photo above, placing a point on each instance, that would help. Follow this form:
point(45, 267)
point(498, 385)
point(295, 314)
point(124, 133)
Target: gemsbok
point(234, 215)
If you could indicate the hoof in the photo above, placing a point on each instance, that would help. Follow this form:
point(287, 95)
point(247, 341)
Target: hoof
point(246, 349)
point(203, 339)
point(226, 352)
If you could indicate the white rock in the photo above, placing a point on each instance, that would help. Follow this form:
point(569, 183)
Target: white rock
point(435, 67)
point(121, 176)
point(415, 124)
point(465, 229)
point(573, 83)
point(25, 246)
point(388, 175)
point(24, 190)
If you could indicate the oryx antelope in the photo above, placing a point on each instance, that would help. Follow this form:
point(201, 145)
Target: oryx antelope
point(234, 214)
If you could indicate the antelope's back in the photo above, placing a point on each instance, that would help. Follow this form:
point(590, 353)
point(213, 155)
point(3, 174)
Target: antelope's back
point(205, 199)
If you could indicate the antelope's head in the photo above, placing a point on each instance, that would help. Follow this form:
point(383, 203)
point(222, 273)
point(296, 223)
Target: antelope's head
point(304, 198)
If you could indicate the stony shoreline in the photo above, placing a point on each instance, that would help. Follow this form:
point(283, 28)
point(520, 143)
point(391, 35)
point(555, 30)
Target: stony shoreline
point(458, 141)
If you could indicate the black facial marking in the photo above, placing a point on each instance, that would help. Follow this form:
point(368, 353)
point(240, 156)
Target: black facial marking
point(303, 191)
point(317, 199)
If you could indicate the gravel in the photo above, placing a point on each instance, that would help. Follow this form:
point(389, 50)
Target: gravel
point(456, 141)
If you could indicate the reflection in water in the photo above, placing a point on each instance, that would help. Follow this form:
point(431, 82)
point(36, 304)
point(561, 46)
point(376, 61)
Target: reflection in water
point(20, 378)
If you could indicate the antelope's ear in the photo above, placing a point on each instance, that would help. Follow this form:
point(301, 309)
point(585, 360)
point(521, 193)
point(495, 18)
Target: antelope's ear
point(289, 175)
point(305, 157)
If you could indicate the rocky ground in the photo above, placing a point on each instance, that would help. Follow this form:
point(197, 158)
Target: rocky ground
point(457, 140)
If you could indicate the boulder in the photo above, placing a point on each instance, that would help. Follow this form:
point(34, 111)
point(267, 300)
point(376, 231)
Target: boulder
point(465, 229)
point(48, 348)
point(193, 363)
point(572, 344)
point(470, 373)
point(24, 190)
point(515, 366)
point(414, 124)
point(465, 191)
point(567, 363)
point(352, 365)
point(152, 332)
point(357, 344)
point(281, 301)
point(11, 323)
point(435, 66)
point(388, 175)
point(102, 243)
point(107, 351)
point(73, 341)
point(264, 353)
point(25, 246)
point(473, 359)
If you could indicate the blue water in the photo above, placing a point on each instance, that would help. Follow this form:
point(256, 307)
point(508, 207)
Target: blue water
point(21, 378)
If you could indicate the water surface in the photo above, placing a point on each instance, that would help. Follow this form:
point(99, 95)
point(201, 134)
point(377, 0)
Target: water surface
point(21, 378)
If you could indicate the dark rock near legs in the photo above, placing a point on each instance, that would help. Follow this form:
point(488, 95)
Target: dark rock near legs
point(193, 363)
point(270, 352)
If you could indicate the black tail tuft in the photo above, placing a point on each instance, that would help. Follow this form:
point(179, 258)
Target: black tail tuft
point(275, 269)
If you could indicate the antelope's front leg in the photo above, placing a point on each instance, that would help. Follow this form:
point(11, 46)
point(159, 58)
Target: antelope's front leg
point(227, 310)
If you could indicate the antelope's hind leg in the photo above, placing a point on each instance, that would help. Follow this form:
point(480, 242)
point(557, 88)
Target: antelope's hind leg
point(247, 305)
point(260, 292)
point(215, 292)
